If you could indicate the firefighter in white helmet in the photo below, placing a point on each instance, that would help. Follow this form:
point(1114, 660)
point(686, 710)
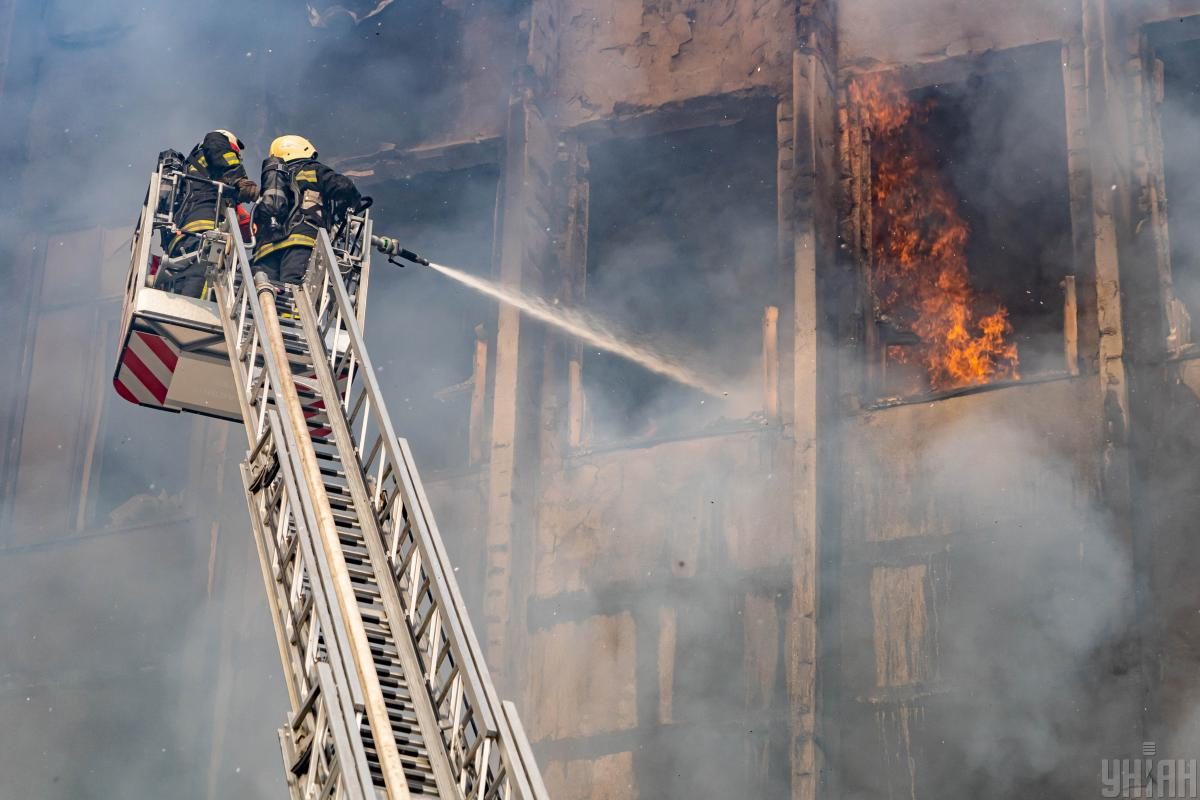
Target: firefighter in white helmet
point(217, 158)
point(300, 195)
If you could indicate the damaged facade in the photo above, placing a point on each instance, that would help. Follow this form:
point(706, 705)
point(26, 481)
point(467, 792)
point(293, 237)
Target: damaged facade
point(853, 576)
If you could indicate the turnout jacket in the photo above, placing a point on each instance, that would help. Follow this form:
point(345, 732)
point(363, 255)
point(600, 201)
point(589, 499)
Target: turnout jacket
point(215, 160)
point(299, 197)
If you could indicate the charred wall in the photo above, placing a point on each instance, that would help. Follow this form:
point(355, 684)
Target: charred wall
point(872, 34)
point(682, 238)
point(1161, 86)
point(992, 597)
point(804, 593)
point(984, 595)
point(632, 55)
point(659, 605)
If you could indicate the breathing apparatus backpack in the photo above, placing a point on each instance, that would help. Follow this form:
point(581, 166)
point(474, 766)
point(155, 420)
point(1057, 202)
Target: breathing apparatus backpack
point(279, 181)
point(170, 161)
point(280, 177)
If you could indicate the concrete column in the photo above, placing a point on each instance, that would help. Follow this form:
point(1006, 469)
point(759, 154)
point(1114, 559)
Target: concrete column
point(813, 208)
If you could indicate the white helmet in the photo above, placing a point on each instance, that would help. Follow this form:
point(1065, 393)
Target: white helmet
point(234, 141)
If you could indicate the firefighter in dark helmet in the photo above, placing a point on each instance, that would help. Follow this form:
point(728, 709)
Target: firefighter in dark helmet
point(300, 195)
point(216, 158)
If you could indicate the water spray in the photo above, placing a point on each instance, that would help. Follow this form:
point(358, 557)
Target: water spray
point(576, 322)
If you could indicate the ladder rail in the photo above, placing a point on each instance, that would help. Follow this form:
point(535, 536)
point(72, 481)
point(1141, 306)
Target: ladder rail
point(295, 565)
point(483, 745)
point(356, 483)
point(277, 385)
point(317, 662)
point(344, 703)
point(393, 468)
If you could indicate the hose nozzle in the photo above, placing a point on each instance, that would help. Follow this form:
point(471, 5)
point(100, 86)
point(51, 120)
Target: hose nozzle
point(391, 247)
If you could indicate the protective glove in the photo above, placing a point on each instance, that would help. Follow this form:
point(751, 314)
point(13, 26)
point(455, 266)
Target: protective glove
point(247, 190)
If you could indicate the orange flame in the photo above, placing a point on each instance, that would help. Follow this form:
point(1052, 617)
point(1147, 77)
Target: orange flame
point(919, 245)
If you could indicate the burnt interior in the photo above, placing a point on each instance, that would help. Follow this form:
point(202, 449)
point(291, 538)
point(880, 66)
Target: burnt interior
point(422, 325)
point(681, 252)
point(999, 138)
point(1180, 125)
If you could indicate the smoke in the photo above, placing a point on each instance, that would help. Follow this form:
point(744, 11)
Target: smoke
point(978, 638)
point(1025, 670)
point(138, 659)
point(1016, 669)
point(682, 244)
point(1038, 662)
point(178, 684)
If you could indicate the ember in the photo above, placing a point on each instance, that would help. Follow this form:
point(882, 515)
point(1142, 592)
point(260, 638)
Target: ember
point(919, 248)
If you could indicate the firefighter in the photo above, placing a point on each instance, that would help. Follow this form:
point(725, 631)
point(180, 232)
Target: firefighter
point(300, 195)
point(216, 158)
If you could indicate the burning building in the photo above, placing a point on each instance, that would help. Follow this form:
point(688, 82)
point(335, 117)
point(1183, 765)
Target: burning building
point(934, 541)
point(962, 219)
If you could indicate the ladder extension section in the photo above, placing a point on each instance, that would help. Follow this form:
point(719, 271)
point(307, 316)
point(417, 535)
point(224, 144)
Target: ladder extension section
point(389, 692)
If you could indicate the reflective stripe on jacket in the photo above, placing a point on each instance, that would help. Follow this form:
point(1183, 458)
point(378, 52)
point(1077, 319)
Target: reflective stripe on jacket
point(295, 202)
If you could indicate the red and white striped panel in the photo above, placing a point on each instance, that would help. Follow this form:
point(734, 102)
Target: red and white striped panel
point(317, 406)
point(146, 368)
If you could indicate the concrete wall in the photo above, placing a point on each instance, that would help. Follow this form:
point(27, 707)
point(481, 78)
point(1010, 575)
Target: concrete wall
point(656, 623)
point(981, 554)
point(972, 540)
point(872, 33)
point(628, 54)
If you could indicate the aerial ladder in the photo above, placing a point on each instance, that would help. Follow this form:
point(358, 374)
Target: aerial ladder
point(390, 696)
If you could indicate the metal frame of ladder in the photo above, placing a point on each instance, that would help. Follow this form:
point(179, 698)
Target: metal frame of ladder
point(389, 692)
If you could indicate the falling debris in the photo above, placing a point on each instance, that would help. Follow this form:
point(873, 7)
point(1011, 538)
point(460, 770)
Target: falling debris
point(321, 18)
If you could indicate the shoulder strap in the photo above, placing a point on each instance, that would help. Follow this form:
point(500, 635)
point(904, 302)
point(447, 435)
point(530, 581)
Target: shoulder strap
point(296, 195)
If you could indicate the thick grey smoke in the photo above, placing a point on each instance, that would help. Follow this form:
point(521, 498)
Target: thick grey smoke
point(1024, 676)
point(1034, 674)
point(136, 627)
point(161, 676)
point(1024, 671)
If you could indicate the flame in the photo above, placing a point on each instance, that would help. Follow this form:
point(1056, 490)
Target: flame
point(919, 246)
